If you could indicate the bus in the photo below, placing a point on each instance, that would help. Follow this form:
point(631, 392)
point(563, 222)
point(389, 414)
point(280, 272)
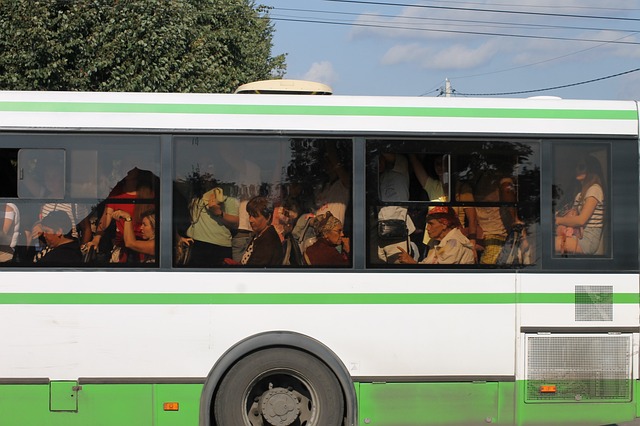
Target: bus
point(429, 261)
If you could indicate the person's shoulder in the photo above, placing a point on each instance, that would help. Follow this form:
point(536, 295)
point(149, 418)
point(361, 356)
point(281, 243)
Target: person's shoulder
point(401, 164)
point(595, 190)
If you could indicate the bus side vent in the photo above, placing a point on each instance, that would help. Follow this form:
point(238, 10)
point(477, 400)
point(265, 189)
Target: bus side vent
point(577, 368)
point(594, 303)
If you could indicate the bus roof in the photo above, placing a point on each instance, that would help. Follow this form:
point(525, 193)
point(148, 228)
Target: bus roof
point(296, 113)
point(289, 87)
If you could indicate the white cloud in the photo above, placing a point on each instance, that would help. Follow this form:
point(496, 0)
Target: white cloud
point(453, 57)
point(321, 72)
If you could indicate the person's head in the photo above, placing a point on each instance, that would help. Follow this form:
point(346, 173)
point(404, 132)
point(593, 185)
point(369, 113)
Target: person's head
point(148, 225)
point(386, 161)
point(440, 221)
point(286, 215)
point(329, 228)
point(55, 226)
point(588, 169)
point(260, 213)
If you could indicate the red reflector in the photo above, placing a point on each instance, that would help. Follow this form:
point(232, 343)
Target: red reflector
point(548, 389)
point(171, 406)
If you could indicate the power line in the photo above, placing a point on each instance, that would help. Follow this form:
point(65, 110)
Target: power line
point(493, 34)
point(549, 88)
point(540, 62)
point(423, 18)
point(539, 6)
point(473, 9)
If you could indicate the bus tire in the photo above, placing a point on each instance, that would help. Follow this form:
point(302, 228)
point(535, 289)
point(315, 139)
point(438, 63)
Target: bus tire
point(280, 386)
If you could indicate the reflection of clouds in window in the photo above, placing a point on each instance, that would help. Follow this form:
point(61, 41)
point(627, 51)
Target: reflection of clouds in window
point(244, 162)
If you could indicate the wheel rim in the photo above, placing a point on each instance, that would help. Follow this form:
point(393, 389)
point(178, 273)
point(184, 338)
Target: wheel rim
point(280, 397)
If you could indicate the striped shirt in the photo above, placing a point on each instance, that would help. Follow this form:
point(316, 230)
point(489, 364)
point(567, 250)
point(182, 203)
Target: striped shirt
point(597, 217)
point(76, 212)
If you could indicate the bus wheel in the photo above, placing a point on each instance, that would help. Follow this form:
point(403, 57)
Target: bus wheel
point(279, 386)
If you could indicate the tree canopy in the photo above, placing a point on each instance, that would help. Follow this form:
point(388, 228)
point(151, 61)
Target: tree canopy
point(135, 45)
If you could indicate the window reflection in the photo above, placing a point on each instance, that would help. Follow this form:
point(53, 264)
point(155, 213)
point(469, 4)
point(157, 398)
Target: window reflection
point(72, 203)
point(219, 181)
point(580, 201)
point(470, 189)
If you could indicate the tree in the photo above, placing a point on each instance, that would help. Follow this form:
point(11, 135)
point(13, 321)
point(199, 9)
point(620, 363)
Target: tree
point(135, 45)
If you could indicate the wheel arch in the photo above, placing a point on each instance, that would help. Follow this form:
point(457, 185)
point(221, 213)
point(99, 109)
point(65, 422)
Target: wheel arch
point(272, 339)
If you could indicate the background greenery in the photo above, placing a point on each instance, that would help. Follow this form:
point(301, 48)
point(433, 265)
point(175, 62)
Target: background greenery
point(135, 45)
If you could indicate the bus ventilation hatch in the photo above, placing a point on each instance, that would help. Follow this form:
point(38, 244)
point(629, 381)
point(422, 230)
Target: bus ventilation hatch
point(578, 367)
point(594, 303)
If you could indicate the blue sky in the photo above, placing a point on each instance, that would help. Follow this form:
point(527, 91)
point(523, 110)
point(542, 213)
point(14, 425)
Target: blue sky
point(409, 48)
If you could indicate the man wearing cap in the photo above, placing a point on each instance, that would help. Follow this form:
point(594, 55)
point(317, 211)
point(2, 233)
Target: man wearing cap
point(61, 247)
point(453, 246)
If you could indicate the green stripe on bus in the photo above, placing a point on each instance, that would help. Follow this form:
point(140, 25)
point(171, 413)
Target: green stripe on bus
point(297, 298)
point(372, 111)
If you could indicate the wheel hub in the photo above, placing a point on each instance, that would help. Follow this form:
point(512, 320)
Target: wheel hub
point(279, 407)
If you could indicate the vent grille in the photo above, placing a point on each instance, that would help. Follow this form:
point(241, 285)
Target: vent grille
point(581, 367)
point(594, 303)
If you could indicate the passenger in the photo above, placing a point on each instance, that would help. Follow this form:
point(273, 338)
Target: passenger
point(331, 247)
point(214, 216)
point(60, 247)
point(495, 222)
point(393, 180)
point(78, 213)
point(265, 248)
point(437, 190)
point(452, 248)
point(285, 217)
point(145, 245)
point(587, 213)
point(137, 185)
point(436, 187)
point(9, 230)
point(335, 194)
point(242, 235)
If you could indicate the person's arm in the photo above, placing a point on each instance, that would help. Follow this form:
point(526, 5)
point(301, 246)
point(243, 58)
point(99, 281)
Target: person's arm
point(405, 257)
point(590, 204)
point(418, 170)
point(229, 220)
point(103, 224)
point(508, 194)
point(5, 238)
point(130, 241)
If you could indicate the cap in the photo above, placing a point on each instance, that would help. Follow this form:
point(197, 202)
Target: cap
point(443, 212)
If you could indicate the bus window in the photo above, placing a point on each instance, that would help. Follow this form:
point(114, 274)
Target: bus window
point(580, 198)
point(81, 200)
point(41, 173)
point(452, 202)
point(262, 201)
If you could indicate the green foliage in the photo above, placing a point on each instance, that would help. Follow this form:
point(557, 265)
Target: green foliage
point(135, 45)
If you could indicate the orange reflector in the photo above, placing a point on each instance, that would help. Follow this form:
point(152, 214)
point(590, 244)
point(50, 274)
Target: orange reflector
point(171, 406)
point(548, 389)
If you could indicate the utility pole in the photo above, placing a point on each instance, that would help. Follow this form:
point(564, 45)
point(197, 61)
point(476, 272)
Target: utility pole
point(447, 88)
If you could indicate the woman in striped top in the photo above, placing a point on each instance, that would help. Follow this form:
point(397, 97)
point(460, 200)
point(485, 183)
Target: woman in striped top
point(588, 209)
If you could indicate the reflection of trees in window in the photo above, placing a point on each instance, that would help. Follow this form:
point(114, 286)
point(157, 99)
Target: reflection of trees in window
point(308, 168)
point(483, 166)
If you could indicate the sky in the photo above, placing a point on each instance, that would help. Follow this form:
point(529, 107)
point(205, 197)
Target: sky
point(497, 48)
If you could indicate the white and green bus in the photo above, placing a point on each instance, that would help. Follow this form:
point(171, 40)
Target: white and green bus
point(137, 303)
